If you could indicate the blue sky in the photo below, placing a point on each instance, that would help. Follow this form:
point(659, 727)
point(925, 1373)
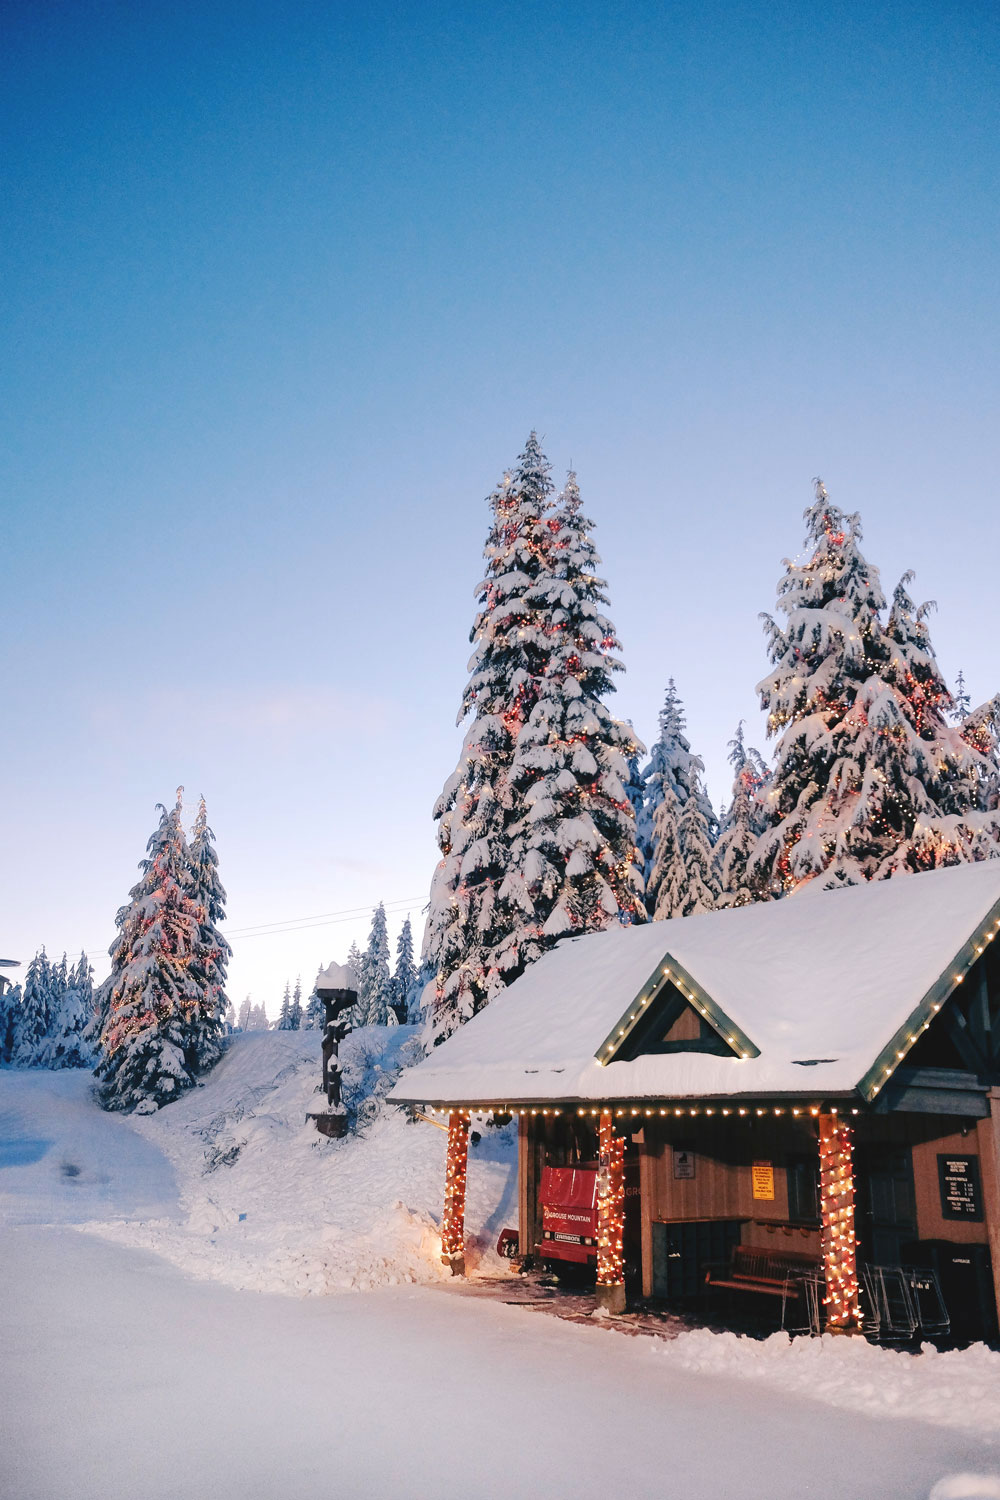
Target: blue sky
point(286, 286)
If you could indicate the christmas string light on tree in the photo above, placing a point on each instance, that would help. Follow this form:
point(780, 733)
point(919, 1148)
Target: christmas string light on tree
point(453, 1220)
point(836, 1177)
point(610, 1204)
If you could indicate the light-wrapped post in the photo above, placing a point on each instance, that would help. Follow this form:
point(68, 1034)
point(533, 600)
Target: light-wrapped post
point(453, 1222)
point(836, 1192)
point(610, 1217)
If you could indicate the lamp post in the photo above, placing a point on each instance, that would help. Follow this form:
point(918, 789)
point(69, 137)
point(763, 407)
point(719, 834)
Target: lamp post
point(337, 987)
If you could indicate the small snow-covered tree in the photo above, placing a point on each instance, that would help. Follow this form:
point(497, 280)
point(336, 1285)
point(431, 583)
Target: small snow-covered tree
point(35, 1013)
point(230, 1017)
point(374, 1006)
point(243, 1019)
point(741, 825)
point(68, 1045)
point(10, 1006)
point(285, 1013)
point(203, 1017)
point(315, 1016)
point(672, 768)
point(469, 932)
point(683, 880)
point(295, 1009)
point(142, 1062)
point(404, 976)
point(258, 1018)
point(833, 643)
point(572, 849)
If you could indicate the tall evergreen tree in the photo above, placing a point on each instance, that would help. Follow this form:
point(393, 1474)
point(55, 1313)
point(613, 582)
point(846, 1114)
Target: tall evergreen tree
point(230, 1017)
point(468, 931)
point(68, 1044)
point(741, 825)
point(870, 780)
point(404, 977)
point(285, 1013)
point(572, 847)
point(203, 1019)
point(35, 1014)
point(143, 1062)
point(243, 1019)
point(375, 988)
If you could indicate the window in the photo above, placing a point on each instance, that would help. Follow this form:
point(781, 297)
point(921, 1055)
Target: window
point(803, 1188)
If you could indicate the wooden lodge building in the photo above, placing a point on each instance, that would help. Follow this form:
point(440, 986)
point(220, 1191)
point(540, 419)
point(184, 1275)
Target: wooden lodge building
point(795, 1099)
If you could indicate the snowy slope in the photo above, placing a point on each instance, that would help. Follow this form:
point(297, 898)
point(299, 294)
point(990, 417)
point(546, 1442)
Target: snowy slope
point(268, 1204)
point(63, 1160)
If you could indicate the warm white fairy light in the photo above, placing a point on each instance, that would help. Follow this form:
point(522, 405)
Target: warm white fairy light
point(610, 1204)
point(837, 1211)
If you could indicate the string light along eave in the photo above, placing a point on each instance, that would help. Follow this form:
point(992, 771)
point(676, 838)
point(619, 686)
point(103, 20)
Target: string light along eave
point(897, 1048)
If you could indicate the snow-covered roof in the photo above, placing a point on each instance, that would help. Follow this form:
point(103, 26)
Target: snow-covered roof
point(826, 987)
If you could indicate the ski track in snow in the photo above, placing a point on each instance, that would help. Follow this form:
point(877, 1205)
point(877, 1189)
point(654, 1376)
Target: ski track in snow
point(231, 1185)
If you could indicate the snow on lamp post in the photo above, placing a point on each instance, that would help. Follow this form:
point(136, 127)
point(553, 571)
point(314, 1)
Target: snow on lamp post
point(337, 987)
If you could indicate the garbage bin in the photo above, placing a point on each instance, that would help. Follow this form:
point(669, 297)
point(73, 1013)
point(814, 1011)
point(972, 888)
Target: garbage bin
point(966, 1279)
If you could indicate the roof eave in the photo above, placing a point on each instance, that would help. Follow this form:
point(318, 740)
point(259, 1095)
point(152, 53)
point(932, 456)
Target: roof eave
point(895, 1050)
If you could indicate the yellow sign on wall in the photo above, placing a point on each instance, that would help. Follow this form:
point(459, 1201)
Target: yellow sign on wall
point(762, 1176)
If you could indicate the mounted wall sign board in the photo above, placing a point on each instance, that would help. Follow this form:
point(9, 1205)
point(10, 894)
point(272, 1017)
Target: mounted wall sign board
point(961, 1194)
point(762, 1177)
point(683, 1163)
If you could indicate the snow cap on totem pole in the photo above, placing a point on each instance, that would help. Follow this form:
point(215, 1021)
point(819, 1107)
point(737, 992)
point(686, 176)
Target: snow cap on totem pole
point(336, 977)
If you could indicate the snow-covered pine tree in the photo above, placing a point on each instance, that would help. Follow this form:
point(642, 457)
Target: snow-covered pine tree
point(671, 768)
point(741, 825)
point(284, 1014)
point(683, 880)
point(466, 926)
point(35, 1013)
point(243, 1019)
point(870, 779)
point(374, 1007)
point(10, 1006)
point(832, 644)
point(68, 1044)
point(933, 804)
point(258, 1018)
point(315, 1016)
point(230, 1017)
point(961, 701)
point(572, 866)
point(404, 977)
point(142, 1062)
point(203, 1020)
point(295, 1010)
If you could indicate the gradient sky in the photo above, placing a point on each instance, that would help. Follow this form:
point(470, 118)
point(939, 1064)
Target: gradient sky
point(285, 286)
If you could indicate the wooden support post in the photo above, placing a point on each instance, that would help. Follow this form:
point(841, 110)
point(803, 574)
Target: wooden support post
point(836, 1190)
point(453, 1221)
point(988, 1136)
point(610, 1217)
point(530, 1162)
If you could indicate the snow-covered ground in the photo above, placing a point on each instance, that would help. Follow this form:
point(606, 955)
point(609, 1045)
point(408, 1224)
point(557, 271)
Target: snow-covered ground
point(126, 1372)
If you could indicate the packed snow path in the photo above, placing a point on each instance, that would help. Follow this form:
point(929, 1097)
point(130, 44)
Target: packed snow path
point(123, 1377)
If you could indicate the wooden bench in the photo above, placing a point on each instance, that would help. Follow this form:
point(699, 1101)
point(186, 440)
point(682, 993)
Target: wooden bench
point(774, 1273)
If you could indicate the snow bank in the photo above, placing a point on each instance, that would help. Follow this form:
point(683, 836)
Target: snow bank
point(268, 1204)
point(959, 1388)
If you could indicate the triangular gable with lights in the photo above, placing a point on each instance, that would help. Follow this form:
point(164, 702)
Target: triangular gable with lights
point(896, 1049)
point(649, 1018)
